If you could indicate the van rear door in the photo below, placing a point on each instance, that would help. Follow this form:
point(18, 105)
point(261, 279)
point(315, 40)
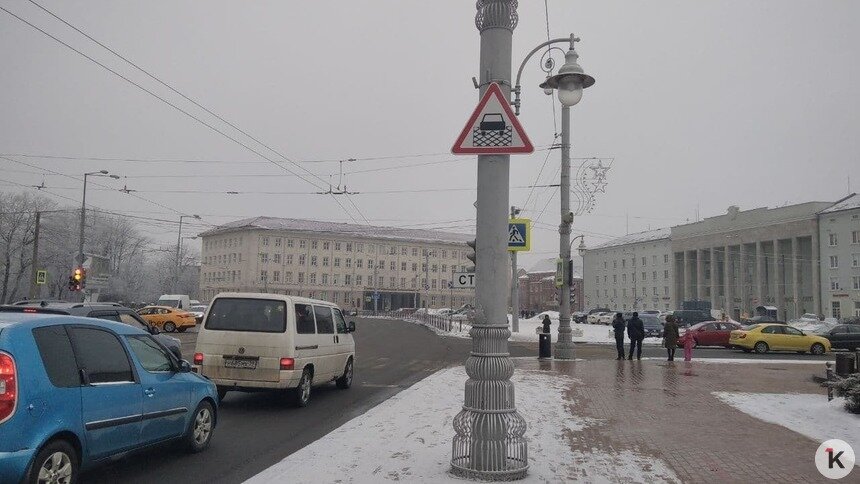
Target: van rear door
point(244, 339)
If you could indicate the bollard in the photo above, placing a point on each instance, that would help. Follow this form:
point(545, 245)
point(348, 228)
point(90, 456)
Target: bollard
point(829, 375)
point(544, 346)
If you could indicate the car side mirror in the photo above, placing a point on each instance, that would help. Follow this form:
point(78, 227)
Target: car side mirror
point(184, 366)
point(350, 327)
point(153, 330)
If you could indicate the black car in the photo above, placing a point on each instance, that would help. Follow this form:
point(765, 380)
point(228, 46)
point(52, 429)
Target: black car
point(688, 317)
point(651, 322)
point(845, 336)
point(100, 310)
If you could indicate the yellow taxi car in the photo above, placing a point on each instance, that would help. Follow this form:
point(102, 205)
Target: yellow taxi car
point(765, 337)
point(168, 319)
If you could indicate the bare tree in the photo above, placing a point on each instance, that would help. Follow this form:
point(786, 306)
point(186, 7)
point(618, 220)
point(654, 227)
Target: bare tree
point(17, 228)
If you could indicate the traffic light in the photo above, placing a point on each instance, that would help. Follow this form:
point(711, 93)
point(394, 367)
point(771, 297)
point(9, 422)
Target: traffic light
point(473, 255)
point(78, 279)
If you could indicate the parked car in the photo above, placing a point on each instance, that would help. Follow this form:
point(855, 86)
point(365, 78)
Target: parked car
point(101, 310)
point(579, 317)
point(167, 318)
point(689, 317)
point(606, 318)
point(765, 337)
point(253, 341)
point(198, 310)
point(76, 392)
point(651, 322)
point(712, 333)
point(594, 318)
point(843, 336)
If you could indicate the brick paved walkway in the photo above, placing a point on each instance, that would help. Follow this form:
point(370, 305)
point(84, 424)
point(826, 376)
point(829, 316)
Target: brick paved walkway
point(667, 410)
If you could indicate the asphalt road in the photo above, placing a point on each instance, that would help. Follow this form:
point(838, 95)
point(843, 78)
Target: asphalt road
point(256, 430)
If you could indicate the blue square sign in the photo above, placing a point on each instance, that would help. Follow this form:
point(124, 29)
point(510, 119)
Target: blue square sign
point(519, 234)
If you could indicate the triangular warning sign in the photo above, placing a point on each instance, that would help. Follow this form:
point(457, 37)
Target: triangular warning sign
point(515, 237)
point(493, 129)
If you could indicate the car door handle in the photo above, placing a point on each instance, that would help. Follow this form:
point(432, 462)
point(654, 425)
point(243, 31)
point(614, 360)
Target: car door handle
point(149, 392)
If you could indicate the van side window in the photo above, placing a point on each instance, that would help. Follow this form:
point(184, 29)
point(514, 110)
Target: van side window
point(304, 319)
point(325, 323)
point(339, 322)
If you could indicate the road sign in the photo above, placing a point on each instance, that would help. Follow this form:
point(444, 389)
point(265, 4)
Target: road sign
point(519, 234)
point(559, 272)
point(463, 280)
point(41, 277)
point(493, 129)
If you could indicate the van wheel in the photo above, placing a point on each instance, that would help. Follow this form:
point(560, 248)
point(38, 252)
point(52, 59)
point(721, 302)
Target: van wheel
point(345, 381)
point(169, 327)
point(302, 394)
point(199, 433)
point(56, 462)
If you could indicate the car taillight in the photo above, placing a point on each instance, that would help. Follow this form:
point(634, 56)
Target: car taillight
point(198, 358)
point(287, 363)
point(742, 335)
point(8, 387)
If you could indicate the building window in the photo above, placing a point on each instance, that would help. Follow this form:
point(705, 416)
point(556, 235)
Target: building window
point(833, 239)
point(644, 259)
point(834, 261)
point(855, 282)
point(653, 276)
point(834, 283)
point(857, 309)
point(358, 280)
point(414, 267)
point(337, 261)
point(614, 278)
point(289, 258)
point(324, 278)
point(263, 276)
point(349, 246)
point(313, 278)
point(325, 262)
point(349, 262)
point(276, 258)
point(301, 259)
point(265, 241)
point(654, 292)
point(623, 263)
point(301, 277)
point(392, 265)
point(314, 260)
point(264, 258)
point(276, 276)
point(665, 290)
point(835, 309)
point(665, 258)
point(347, 280)
point(665, 274)
point(326, 245)
point(303, 244)
point(337, 246)
point(615, 264)
point(598, 280)
point(643, 276)
point(433, 283)
point(288, 277)
point(414, 251)
point(855, 237)
point(314, 244)
point(359, 247)
point(289, 242)
point(278, 242)
point(434, 268)
point(370, 263)
point(359, 263)
point(855, 260)
point(623, 278)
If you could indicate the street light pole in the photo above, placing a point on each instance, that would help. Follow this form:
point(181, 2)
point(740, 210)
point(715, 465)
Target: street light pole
point(570, 81)
point(84, 212)
point(488, 441)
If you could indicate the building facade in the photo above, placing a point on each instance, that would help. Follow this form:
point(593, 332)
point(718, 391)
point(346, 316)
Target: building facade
point(343, 263)
point(538, 292)
point(630, 273)
point(744, 259)
point(839, 232)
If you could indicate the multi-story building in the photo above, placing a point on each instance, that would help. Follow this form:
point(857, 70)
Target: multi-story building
point(839, 232)
point(538, 292)
point(630, 273)
point(343, 263)
point(744, 259)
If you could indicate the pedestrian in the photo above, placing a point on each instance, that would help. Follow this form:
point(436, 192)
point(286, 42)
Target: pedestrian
point(546, 323)
point(670, 337)
point(618, 326)
point(688, 341)
point(636, 332)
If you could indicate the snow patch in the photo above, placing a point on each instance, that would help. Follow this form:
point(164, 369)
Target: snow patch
point(408, 437)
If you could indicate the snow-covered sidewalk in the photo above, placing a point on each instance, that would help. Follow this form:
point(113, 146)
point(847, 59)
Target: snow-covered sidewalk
point(408, 438)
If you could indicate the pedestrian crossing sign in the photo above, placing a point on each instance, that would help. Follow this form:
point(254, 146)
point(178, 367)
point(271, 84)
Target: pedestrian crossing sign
point(41, 277)
point(519, 234)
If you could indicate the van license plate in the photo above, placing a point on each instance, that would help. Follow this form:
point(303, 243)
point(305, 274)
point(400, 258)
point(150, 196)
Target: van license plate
point(241, 363)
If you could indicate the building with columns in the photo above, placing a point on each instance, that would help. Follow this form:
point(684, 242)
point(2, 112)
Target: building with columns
point(630, 273)
point(743, 259)
point(839, 232)
point(342, 263)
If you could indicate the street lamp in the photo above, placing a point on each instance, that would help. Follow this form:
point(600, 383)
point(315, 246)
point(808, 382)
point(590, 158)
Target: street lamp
point(569, 82)
point(104, 173)
point(179, 246)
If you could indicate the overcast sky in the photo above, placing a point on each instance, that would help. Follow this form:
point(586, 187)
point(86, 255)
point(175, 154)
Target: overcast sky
point(701, 104)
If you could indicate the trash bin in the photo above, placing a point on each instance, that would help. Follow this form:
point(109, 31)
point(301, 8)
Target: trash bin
point(845, 364)
point(544, 346)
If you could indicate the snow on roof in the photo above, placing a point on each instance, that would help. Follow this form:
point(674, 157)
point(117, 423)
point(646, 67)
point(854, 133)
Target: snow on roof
point(638, 237)
point(355, 230)
point(848, 203)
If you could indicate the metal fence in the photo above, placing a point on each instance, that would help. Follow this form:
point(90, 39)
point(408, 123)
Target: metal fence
point(442, 323)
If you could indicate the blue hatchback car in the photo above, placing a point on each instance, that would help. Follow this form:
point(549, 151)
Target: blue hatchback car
point(77, 391)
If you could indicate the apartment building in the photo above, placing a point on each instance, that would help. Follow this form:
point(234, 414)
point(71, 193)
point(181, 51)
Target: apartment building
point(344, 263)
point(839, 232)
point(538, 292)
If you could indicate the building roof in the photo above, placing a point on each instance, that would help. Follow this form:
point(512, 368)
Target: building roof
point(848, 203)
point(337, 228)
point(638, 237)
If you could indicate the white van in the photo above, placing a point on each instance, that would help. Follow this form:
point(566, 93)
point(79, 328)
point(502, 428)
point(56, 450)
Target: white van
point(254, 341)
point(179, 301)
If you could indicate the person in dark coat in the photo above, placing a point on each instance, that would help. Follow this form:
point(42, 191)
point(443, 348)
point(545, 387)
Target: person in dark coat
point(618, 326)
point(636, 332)
point(546, 322)
point(670, 336)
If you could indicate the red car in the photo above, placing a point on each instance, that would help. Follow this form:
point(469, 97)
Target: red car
point(712, 333)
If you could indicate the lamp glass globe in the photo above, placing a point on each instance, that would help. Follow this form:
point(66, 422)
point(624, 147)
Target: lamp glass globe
point(569, 91)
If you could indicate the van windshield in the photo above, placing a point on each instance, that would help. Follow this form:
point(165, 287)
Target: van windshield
point(174, 303)
point(257, 315)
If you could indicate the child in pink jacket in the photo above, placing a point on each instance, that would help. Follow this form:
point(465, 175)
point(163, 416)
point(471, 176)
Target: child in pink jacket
point(687, 340)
